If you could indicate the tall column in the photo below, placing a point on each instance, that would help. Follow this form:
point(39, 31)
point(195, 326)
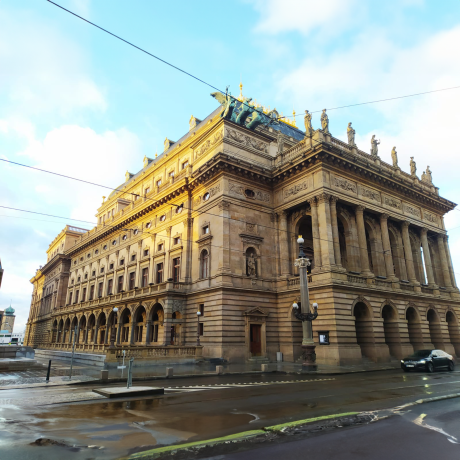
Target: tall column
point(363, 255)
point(147, 332)
point(224, 266)
point(387, 248)
point(449, 261)
point(131, 332)
point(335, 232)
point(152, 252)
point(315, 231)
point(106, 268)
point(444, 263)
point(408, 254)
point(187, 262)
point(325, 231)
point(427, 257)
point(284, 244)
point(138, 282)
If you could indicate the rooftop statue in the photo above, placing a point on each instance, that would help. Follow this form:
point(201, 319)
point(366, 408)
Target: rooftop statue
point(248, 116)
point(413, 167)
point(374, 146)
point(325, 122)
point(351, 135)
point(308, 126)
point(427, 175)
point(394, 157)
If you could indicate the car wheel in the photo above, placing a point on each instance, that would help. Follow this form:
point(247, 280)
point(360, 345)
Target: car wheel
point(430, 368)
point(451, 366)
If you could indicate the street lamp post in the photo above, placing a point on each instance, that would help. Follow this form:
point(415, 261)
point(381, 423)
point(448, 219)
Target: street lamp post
point(112, 332)
point(198, 314)
point(305, 315)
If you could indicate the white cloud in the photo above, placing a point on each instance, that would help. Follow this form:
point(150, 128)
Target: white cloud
point(43, 72)
point(304, 16)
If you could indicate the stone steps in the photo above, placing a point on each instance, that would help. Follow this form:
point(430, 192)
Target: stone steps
point(83, 359)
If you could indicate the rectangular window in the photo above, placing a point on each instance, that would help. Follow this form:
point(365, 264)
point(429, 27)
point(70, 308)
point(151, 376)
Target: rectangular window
point(160, 273)
point(111, 267)
point(158, 182)
point(132, 277)
point(110, 286)
point(76, 296)
point(201, 309)
point(160, 247)
point(176, 269)
point(122, 261)
point(102, 269)
point(70, 298)
point(146, 252)
point(78, 280)
point(206, 230)
point(171, 174)
point(145, 277)
point(133, 257)
point(91, 292)
point(184, 164)
point(86, 276)
point(94, 273)
point(120, 283)
point(83, 297)
point(147, 190)
point(201, 328)
point(177, 240)
point(99, 290)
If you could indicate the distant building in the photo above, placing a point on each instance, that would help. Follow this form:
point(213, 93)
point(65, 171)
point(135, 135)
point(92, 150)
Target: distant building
point(7, 318)
point(1, 273)
point(8, 338)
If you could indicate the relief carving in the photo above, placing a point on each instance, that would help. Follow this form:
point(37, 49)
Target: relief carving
point(258, 194)
point(344, 184)
point(408, 209)
point(297, 188)
point(371, 194)
point(208, 144)
point(247, 140)
point(214, 190)
point(251, 228)
point(430, 217)
point(392, 202)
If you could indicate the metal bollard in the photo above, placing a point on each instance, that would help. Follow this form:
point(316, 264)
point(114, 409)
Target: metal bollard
point(48, 373)
point(264, 367)
point(219, 370)
point(169, 372)
point(104, 375)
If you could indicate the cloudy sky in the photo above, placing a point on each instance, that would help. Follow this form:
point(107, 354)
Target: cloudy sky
point(76, 101)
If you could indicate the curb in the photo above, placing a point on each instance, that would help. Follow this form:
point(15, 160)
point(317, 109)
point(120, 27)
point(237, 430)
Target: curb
point(426, 400)
point(237, 437)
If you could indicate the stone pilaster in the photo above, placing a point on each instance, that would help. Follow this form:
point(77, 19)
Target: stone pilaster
point(138, 282)
point(408, 256)
point(444, 264)
point(152, 252)
point(363, 255)
point(315, 231)
point(284, 245)
point(427, 258)
point(449, 262)
point(188, 223)
point(325, 231)
point(387, 248)
point(224, 268)
point(335, 232)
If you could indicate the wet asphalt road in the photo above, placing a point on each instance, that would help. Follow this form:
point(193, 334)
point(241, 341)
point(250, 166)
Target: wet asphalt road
point(194, 409)
point(425, 432)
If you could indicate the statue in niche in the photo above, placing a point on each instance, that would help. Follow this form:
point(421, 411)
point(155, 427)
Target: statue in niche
point(413, 167)
point(308, 126)
point(251, 265)
point(351, 135)
point(374, 146)
point(394, 157)
point(325, 122)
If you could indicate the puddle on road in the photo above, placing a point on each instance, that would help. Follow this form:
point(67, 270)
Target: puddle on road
point(120, 427)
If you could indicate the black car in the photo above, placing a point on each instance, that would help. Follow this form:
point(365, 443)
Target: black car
point(428, 360)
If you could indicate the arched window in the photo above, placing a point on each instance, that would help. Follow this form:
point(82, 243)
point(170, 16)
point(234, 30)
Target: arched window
point(204, 259)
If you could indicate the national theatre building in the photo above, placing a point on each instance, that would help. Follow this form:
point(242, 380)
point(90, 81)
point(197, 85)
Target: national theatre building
point(210, 226)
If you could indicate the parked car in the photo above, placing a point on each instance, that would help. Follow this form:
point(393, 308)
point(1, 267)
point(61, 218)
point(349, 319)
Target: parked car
point(428, 360)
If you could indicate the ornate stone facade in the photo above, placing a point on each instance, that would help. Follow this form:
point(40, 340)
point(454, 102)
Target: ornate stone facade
point(211, 226)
